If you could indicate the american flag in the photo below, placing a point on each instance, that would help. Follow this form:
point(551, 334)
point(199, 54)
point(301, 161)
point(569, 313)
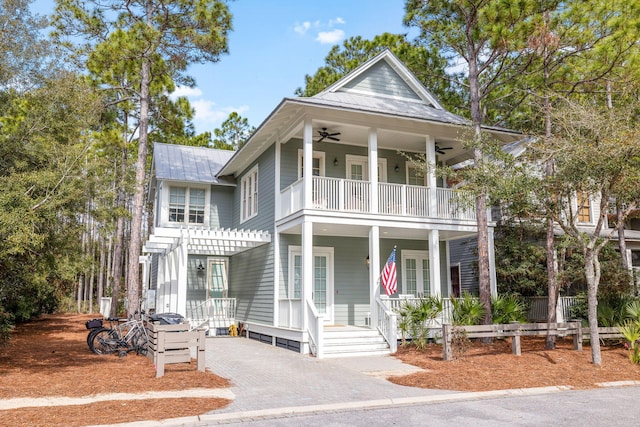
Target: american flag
point(388, 276)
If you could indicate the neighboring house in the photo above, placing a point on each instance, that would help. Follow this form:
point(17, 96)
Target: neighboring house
point(289, 235)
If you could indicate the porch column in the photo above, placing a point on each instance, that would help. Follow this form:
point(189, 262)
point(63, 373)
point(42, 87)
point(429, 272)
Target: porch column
point(278, 195)
point(307, 164)
point(431, 175)
point(276, 277)
point(182, 255)
point(434, 263)
point(493, 281)
point(307, 271)
point(373, 168)
point(374, 272)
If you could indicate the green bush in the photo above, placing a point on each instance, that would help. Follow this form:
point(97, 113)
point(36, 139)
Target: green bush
point(466, 310)
point(414, 319)
point(508, 308)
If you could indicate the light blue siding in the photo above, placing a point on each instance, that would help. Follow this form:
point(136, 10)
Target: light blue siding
point(221, 210)
point(382, 79)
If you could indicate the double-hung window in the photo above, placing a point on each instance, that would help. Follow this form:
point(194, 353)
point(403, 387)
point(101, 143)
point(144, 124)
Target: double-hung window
point(584, 207)
point(249, 195)
point(187, 205)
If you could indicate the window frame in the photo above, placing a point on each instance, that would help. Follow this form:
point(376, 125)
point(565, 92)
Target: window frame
point(187, 204)
point(249, 194)
point(584, 210)
point(320, 155)
point(411, 166)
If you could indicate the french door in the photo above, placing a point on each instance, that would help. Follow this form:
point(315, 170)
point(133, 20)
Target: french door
point(322, 279)
point(415, 273)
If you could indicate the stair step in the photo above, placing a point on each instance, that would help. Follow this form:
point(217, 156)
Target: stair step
point(353, 342)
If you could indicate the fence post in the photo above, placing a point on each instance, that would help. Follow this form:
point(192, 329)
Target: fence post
point(515, 341)
point(201, 348)
point(447, 351)
point(160, 354)
point(577, 339)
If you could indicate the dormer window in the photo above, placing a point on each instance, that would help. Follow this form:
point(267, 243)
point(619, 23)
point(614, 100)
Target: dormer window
point(187, 205)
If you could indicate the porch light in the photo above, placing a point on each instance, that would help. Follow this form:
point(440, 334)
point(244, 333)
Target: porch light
point(367, 260)
point(200, 267)
point(335, 162)
point(397, 169)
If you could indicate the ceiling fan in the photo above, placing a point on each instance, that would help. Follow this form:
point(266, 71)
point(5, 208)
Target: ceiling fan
point(324, 134)
point(440, 150)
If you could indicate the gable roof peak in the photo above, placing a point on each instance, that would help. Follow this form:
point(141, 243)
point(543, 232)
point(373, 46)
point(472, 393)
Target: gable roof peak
point(383, 75)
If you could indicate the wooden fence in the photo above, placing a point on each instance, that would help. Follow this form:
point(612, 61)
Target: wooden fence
point(516, 330)
point(173, 343)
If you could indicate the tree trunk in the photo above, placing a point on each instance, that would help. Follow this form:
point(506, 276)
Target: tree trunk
point(135, 243)
point(592, 298)
point(622, 246)
point(552, 286)
point(101, 271)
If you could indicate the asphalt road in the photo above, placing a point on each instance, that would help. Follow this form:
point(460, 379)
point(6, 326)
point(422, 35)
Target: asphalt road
point(583, 408)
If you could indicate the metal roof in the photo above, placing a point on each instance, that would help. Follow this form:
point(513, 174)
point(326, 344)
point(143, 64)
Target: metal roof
point(402, 108)
point(186, 163)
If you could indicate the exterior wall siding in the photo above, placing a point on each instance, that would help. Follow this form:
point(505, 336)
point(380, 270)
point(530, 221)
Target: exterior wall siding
point(221, 207)
point(463, 251)
point(382, 79)
point(251, 283)
point(196, 283)
point(289, 161)
point(264, 220)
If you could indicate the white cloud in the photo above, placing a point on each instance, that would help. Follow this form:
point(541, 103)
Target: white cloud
point(208, 115)
point(337, 21)
point(189, 92)
point(302, 28)
point(330, 37)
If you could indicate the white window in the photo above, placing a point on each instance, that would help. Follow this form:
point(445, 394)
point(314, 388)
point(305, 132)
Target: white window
point(187, 205)
point(358, 168)
point(415, 175)
point(317, 163)
point(249, 195)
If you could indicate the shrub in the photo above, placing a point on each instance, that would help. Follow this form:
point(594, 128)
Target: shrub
point(416, 318)
point(466, 310)
point(508, 308)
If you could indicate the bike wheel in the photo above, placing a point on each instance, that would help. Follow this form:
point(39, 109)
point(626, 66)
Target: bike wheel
point(105, 341)
point(139, 343)
point(90, 335)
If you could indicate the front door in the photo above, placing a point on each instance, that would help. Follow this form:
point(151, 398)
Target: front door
point(218, 287)
point(415, 273)
point(322, 276)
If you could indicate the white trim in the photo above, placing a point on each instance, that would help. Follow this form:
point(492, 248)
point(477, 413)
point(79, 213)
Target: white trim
point(410, 165)
point(419, 256)
point(320, 155)
point(165, 196)
point(351, 159)
point(317, 251)
point(249, 183)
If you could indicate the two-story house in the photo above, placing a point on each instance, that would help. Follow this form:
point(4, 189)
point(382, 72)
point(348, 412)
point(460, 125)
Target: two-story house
point(289, 234)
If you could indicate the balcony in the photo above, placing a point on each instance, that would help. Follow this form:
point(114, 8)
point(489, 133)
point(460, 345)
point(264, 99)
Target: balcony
point(346, 195)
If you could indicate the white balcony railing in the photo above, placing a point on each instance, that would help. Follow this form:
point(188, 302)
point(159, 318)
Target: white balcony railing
point(335, 194)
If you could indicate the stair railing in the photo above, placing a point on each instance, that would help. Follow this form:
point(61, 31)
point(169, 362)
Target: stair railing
point(387, 324)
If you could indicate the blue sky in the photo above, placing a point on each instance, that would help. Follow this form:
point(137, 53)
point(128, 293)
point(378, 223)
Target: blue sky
point(273, 45)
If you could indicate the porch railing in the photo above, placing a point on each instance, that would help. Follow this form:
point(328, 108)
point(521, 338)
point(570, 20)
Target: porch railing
point(387, 324)
point(213, 312)
point(537, 307)
point(315, 330)
point(336, 194)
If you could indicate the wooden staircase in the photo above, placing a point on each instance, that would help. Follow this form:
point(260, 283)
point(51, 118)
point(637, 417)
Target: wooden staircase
point(353, 341)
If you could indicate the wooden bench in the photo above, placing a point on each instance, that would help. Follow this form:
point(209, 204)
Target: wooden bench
point(514, 330)
point(173, 343)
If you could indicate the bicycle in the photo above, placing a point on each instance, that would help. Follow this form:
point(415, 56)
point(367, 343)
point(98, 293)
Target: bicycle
point(128, 335)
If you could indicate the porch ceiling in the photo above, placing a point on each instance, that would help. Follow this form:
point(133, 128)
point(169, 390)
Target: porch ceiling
point(219, 242)
point(350, 230)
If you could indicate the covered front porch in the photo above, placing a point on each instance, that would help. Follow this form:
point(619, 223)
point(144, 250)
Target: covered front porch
point(330, 274)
